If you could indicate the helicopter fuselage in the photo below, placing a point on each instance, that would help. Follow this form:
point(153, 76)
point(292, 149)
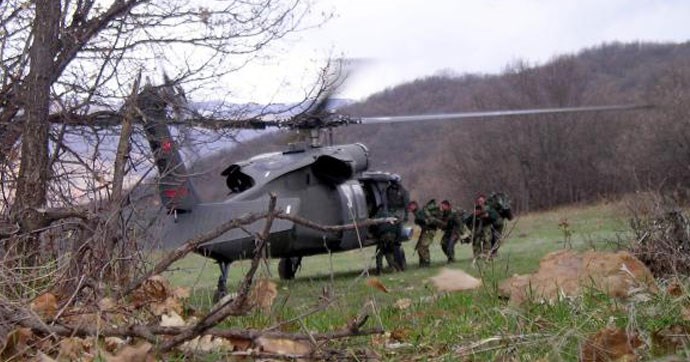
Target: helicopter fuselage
point(326, 185)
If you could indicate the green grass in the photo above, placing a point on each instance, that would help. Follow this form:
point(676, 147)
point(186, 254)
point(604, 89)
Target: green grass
point(436, 325)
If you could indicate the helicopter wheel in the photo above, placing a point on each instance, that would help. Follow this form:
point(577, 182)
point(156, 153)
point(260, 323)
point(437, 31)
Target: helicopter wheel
point(287, 267)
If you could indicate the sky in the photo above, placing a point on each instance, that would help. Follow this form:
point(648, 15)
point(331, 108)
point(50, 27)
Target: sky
point(397, 41)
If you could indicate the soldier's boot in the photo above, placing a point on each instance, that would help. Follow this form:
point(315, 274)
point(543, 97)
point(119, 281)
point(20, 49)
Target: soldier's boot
point(399, 256)
point(424, 257)
point(448, 247)
point(476, 248)
point(495, 242)
point(379, 262)
point(390, 258)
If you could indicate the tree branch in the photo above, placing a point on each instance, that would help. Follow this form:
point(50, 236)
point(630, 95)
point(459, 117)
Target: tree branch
point(236, 306)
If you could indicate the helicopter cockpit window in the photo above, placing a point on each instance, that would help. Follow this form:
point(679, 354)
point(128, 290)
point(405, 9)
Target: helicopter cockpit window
point(236, 180)
point(331, 170)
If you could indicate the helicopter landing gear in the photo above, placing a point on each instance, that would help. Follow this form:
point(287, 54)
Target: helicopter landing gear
point(287, 267)
point(222, 289)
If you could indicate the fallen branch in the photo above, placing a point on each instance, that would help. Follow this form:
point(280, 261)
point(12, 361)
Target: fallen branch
point(14, 314)
point(151, 333)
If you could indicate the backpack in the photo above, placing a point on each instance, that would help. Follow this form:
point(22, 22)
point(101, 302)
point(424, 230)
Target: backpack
point(501, 203)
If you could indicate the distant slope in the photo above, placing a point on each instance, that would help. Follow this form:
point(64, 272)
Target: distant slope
point(541, 161)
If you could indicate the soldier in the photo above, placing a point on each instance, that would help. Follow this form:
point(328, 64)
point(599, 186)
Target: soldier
point(398, 198)
point(389, 235)
point(499, 206)
point(427, 219)
point(480, 223)
point(453, 229)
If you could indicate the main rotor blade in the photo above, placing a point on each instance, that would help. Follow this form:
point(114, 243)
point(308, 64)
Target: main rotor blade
point(503, 113)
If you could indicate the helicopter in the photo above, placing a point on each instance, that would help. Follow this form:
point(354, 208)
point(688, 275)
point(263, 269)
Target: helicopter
point(324, 183)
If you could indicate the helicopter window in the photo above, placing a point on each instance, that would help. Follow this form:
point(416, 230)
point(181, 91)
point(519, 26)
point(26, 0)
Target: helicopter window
point(331, 170)
point(237, 181)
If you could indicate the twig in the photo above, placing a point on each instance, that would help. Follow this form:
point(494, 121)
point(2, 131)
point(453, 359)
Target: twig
point(189, 247)
point(237, 305)
point(472, 347)
point(71, 298)
point(25, 318)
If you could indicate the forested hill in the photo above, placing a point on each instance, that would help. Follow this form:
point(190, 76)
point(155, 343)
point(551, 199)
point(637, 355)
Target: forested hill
point(541, 161)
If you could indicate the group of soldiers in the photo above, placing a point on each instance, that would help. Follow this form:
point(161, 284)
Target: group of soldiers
point(483, 228)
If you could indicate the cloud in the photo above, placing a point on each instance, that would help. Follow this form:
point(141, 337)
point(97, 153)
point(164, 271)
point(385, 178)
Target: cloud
point(408, 39)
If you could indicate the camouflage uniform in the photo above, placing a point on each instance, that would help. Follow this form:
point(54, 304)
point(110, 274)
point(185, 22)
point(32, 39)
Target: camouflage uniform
point(453, 230)
point(427, 219)
point(388, 235)
point(499, 207)
point(480, 225)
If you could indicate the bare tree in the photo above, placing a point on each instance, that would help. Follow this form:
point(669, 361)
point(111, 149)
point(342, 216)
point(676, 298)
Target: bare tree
point(68, 68)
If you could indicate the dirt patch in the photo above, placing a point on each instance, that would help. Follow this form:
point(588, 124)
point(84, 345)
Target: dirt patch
point(568, 273)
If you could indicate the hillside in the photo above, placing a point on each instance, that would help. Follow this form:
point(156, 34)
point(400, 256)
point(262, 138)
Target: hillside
point(542, 161)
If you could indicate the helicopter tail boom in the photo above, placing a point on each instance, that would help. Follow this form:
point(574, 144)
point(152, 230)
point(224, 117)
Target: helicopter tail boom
point(176, 189)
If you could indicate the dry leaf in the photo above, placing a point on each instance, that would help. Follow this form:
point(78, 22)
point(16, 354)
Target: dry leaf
point(139, 353)
point(42, 357)
point(674, 289)
point(380, 340)
point(400, 334)
point(153, 289)
point(106, 305)
point(45, 305)
point(79, 318)
point(263, 294)
point(73, 348)
point(610, 344)
point(671, 339)
point(283, 346)
point(15, 342)
point(240, 344)
point(172, 319)
point(376, 284)
point(207, 343)
point(181, 293)
point(169, 305)
point(112, 344)
point(453, 280)
point(403, 303)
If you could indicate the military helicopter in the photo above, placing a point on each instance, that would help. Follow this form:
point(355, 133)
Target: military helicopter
point(326, 184)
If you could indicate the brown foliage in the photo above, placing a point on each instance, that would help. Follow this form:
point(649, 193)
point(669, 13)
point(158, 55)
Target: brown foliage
point(377, 284)
point(662, 236)
point(610, 344)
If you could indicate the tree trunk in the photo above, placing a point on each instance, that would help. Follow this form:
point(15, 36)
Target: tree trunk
point(33, 169)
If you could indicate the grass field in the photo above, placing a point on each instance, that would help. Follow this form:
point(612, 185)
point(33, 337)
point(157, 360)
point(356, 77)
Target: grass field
point(442, 326)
